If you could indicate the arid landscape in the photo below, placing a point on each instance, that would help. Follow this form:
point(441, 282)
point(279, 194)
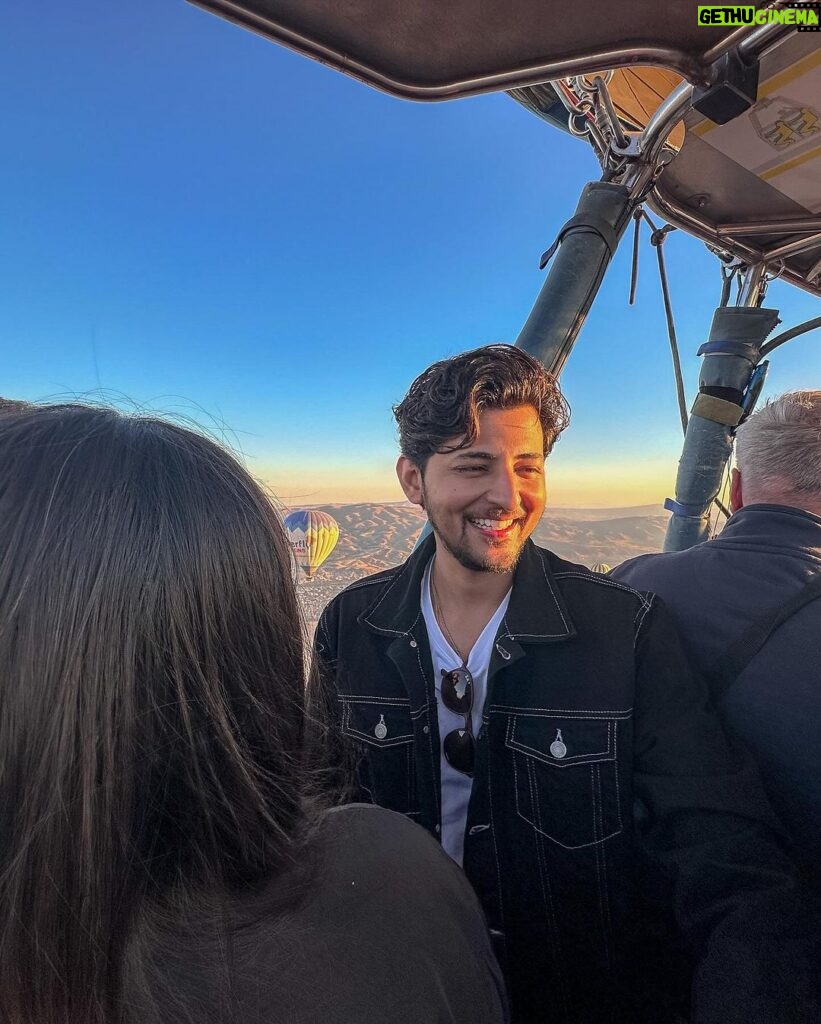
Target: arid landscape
point(376, 536)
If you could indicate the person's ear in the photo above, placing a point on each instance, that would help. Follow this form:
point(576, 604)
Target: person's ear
point(410, 479)
point(736, 497)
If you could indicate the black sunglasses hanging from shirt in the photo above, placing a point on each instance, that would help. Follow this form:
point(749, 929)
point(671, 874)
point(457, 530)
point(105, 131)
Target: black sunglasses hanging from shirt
point(457, 696)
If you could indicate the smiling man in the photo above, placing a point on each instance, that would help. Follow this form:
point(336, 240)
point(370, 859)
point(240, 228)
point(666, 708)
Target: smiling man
point(543, 723)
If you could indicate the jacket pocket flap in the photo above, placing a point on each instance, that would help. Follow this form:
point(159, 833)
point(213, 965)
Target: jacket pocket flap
point(562, 742)
point(377, 723)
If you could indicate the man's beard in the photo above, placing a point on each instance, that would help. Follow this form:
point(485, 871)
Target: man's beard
point(464, 557)
point(462, 552)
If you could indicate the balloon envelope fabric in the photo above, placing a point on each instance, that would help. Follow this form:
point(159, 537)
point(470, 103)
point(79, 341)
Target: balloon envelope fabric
point(313, 535)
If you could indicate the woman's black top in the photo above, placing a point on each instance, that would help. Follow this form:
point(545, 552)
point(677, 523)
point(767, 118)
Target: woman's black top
point(384, 928)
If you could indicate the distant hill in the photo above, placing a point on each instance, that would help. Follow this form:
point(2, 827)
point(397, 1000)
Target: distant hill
point(632, 512)
point(377, 536)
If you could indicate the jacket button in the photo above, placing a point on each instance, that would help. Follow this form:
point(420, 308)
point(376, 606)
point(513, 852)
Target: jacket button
point(413, 643)
point(426, 729)
point(557, 747)
point(438, 829)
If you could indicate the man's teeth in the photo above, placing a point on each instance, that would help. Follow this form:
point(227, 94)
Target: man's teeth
point(493, 524)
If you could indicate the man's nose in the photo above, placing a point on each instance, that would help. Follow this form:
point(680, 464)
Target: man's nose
point(504, 490)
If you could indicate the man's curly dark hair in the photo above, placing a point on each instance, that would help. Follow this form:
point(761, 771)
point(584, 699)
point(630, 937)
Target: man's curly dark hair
point(440, 412)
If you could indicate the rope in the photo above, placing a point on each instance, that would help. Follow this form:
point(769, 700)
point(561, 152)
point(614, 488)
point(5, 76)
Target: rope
point(719, 501)
point(657, 239)
point(634, 271)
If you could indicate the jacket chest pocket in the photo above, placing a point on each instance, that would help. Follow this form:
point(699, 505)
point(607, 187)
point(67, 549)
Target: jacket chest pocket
point(383, 732)
point(566, 777)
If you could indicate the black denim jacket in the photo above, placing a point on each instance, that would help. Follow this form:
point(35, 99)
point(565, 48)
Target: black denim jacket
point(604, 871)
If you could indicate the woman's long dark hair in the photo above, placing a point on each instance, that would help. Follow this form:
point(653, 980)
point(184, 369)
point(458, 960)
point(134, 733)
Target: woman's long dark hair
point(153, 729)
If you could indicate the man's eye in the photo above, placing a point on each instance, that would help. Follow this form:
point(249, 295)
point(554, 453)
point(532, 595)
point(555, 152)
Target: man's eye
point(538, 470)
point(469, 469)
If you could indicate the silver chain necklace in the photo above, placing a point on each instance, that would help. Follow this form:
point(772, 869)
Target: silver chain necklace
point(440, 618)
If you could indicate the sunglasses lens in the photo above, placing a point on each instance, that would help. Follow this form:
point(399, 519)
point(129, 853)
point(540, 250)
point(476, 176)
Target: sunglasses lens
point(457, 691)
point(459, 750)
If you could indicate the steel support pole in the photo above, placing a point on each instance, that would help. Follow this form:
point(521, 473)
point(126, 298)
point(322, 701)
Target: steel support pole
point(731, 356)
point(583, 252)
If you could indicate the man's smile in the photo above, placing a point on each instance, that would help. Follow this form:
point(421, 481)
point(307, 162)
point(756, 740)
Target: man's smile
point(495, 528)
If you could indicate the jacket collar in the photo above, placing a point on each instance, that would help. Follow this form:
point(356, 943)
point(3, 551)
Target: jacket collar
point(536, 613)
point(780, 526)
point(399, 605)
point(784, 512)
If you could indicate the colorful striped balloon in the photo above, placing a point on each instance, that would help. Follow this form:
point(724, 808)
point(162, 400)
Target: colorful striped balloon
point(313, 536)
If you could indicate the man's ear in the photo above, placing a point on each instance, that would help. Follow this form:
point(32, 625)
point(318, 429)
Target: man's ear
point(736, 497)
point(410, 479)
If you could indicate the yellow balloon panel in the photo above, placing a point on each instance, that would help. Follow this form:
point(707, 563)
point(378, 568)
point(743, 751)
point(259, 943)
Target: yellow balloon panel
point(313, 535)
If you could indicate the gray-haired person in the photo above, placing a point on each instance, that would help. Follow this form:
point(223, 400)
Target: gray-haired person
point(748, 605)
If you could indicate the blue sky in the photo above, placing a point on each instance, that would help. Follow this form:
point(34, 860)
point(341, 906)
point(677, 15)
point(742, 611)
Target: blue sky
point(202, 223)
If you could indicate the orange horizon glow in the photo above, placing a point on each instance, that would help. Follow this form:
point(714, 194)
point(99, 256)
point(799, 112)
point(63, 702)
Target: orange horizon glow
point(600, 485)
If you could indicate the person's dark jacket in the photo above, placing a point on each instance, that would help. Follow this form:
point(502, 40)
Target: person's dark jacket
point(762, 558)
point(581, 862)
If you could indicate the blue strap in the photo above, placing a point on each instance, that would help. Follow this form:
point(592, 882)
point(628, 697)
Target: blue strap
point(744, 349)
point(691, 510)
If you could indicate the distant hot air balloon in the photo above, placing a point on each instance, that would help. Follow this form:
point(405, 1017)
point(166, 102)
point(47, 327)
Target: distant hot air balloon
point(313, 536)
point(601, 567)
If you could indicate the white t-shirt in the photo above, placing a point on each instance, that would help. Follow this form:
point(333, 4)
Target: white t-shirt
point(456, 785)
